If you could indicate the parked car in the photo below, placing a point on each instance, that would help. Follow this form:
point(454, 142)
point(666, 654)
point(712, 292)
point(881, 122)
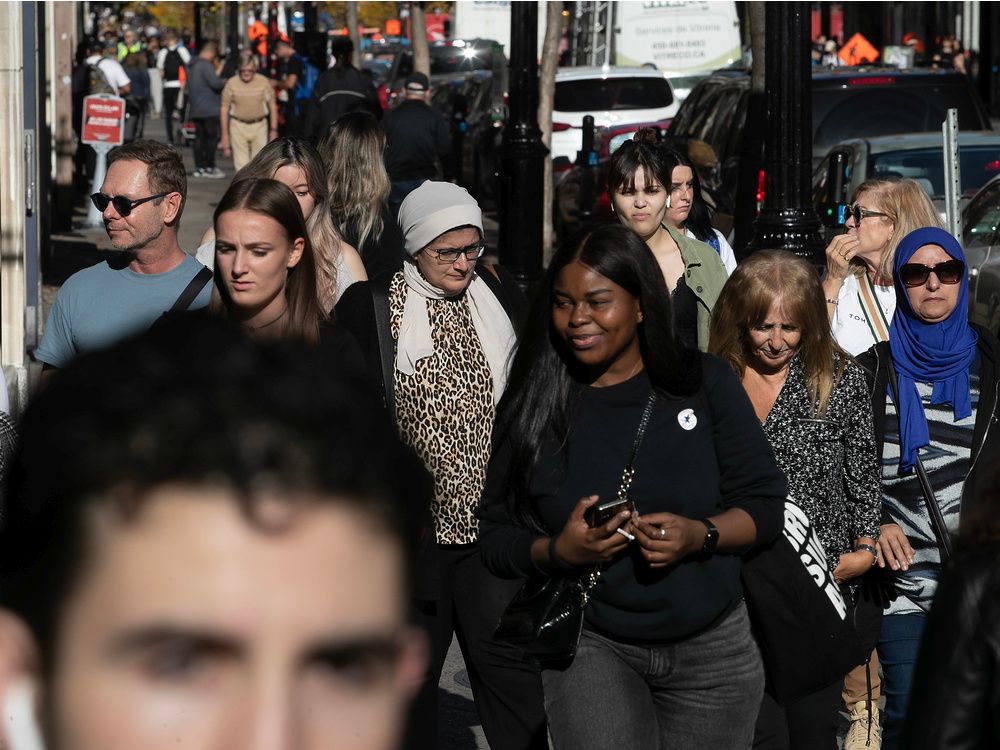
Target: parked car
point(981, 241)
point(449, 61)
point(918, 156)
point(847, 102)
point(615, 97)
point(475, 108)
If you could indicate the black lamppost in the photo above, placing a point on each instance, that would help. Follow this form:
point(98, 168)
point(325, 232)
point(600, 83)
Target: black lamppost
point(787, 220)
point(522, 154)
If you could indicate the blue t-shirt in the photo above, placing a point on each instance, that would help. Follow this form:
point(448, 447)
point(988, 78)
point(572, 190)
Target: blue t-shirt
point(102, 304)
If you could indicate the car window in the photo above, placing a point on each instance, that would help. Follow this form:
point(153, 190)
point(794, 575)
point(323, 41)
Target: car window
point(982, 218)
point(600, 94)
point(459, 59)
point(865, 111)
point(977, 165)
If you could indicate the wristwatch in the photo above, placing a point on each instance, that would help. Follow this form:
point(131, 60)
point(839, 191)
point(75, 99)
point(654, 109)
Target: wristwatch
point(711, 538)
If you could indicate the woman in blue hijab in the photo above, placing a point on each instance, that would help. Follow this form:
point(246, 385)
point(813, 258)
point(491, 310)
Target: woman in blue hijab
point(934, 386)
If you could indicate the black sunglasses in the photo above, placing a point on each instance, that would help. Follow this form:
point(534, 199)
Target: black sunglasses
point(859, 213)
point(915, 274)
point(122, 204)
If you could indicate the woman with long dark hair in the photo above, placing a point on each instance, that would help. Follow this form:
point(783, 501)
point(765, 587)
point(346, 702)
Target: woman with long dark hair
point(666, 644)
point(688, 213)
point(640, 180)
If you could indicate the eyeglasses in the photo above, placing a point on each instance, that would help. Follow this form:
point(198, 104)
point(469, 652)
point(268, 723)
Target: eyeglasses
point(915, 274)
point(449, 255)
point(859, 213)
point(122, 204)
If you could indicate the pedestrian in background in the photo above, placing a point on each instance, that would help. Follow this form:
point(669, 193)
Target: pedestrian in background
point(137, 102)
point(248, 118)
point(343, 88)
point(860, 297)
point(203, 89)
point(812, 401)
point(934, 387)
point(290, 71)
point(296, 163)
point(152, 52)
point(419, 143)
point(353, 150)
point(170, 61)
point(639, 180)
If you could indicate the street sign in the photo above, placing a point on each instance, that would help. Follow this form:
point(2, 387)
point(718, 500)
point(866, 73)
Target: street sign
point(103, 120)
point(857, 51)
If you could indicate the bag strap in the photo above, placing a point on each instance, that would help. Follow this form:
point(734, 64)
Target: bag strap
point(877, 323)
point(192, 290)
point(588, 581)
point(629, 473)
point(386, 346)
point(933, 509)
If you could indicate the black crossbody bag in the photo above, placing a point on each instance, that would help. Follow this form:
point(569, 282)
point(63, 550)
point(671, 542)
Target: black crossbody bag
point(545, 618)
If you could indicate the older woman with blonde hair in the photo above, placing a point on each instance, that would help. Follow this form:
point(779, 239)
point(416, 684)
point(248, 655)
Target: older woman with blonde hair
point(353, 149)
point(296, 163)
point(812, 401)
point(858, 288)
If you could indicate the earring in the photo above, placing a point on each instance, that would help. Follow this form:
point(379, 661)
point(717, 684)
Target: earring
point(639, 320)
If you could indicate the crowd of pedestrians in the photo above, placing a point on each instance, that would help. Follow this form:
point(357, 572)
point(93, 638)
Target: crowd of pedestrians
point(265, 482)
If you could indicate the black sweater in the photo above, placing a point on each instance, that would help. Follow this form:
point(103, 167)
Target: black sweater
point(724, 462)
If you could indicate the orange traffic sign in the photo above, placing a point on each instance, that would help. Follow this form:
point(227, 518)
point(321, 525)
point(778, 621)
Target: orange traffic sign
point(857, 50)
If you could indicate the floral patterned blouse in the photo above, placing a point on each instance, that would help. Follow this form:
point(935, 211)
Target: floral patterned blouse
point(830, 462)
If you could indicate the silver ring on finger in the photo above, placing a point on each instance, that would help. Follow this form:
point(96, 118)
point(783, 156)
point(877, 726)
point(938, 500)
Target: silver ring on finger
point(663, 533)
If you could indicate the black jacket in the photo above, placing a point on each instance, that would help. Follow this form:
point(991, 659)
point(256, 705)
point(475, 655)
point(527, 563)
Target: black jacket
point(338, 92)
point(955, 700)
point(985, 440)
point(417, 138)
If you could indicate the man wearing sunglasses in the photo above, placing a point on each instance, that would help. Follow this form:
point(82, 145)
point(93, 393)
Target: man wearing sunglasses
point(141, 202)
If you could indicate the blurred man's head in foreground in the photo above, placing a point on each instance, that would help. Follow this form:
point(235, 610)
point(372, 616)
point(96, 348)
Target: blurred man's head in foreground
point(207, 545)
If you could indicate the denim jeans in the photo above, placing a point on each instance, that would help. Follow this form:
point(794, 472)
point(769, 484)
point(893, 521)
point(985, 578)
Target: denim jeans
point(897, 650)
point(702, 692)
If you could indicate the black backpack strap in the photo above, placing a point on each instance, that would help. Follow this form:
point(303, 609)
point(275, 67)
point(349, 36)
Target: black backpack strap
point(386, 346)
point(192, 290)
point(938, 525)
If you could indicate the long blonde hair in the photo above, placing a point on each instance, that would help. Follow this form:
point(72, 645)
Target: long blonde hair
point(908, 208)
point(297, 152)
point(353, 149)
point(745, 301)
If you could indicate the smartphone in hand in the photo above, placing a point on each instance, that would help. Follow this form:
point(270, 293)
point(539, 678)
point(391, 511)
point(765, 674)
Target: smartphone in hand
point(600, 513)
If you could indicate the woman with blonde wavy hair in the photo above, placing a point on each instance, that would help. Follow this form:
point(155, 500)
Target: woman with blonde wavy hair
point(353, 149)
point(858, 288)
point(770, 326)
point(296, 163)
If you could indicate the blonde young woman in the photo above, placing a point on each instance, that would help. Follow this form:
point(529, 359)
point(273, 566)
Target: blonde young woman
point(296, 163)
point(353, 149)
point(860, 298)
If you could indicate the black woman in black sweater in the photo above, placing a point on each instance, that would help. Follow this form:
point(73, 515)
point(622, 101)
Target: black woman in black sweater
point(666, 658)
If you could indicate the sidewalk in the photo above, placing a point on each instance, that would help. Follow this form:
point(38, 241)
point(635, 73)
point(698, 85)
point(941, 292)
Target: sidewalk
point(85, 246)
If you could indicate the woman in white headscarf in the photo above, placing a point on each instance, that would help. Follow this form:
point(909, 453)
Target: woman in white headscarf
point(438, 336)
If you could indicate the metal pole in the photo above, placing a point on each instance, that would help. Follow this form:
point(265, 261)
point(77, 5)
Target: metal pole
point(952, 173)
point(522, 154)
point(95, 217)
point(788, 220)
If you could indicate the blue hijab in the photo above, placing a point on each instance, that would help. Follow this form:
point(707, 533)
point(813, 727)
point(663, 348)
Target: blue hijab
point(938, 353)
